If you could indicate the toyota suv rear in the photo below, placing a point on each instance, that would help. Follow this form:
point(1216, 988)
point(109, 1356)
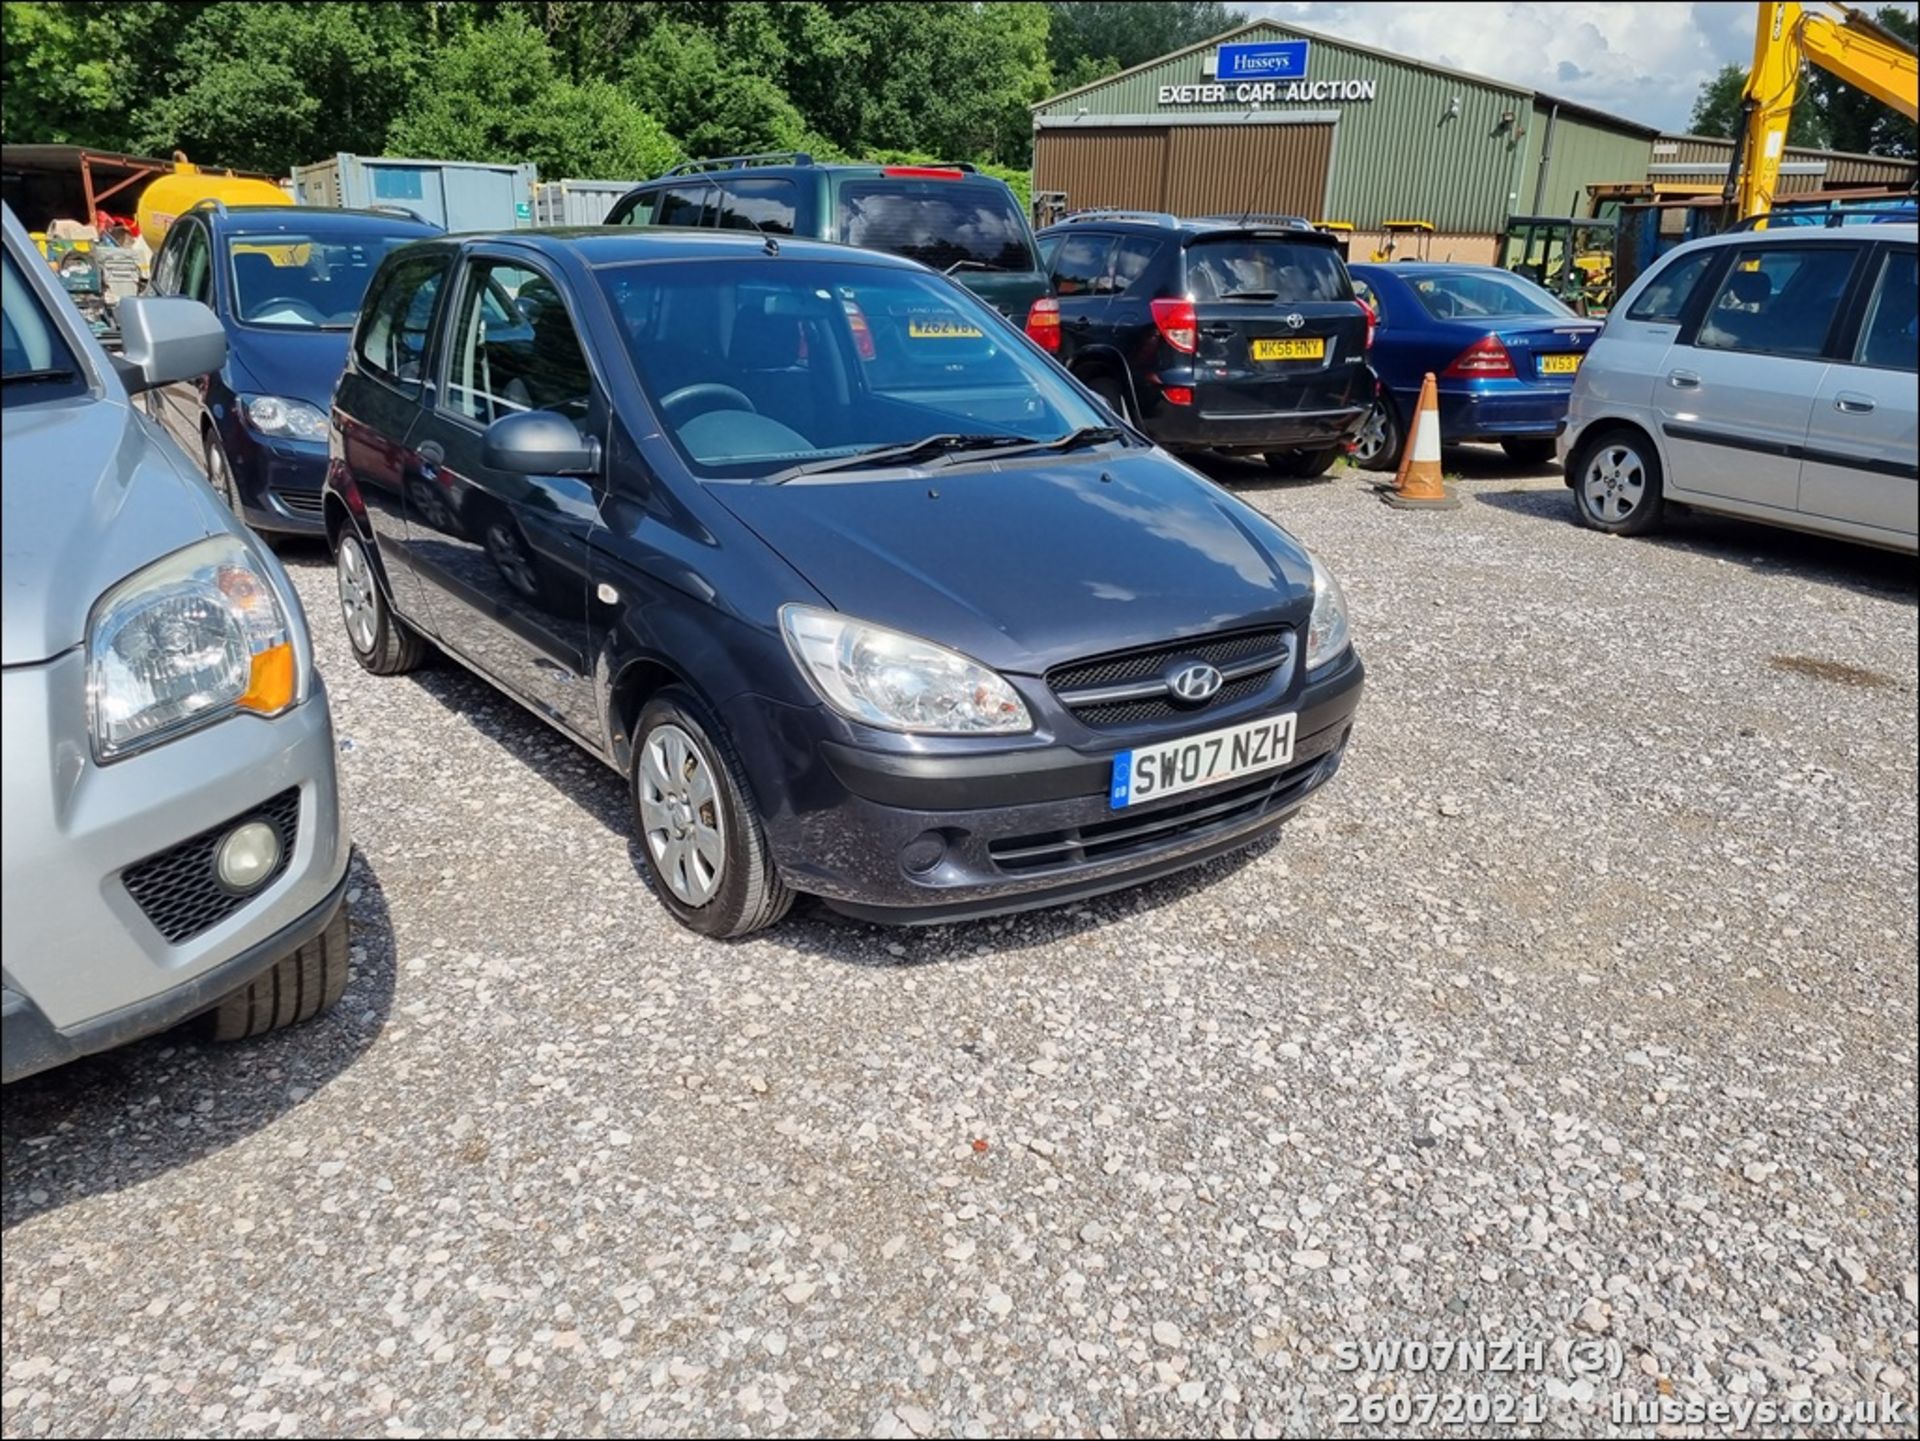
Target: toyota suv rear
point(1237, 334)
point(949, 217)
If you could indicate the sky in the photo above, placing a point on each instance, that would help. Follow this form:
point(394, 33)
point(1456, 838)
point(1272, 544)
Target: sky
point(1643, 61)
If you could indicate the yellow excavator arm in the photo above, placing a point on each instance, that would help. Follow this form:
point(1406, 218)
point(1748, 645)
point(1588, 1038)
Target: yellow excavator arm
point(1844, 43)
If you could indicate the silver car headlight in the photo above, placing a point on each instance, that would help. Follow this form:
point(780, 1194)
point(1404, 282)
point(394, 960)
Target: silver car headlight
point(286, 419)
point(201, 634)
point(1329, 632)
point(883, 678)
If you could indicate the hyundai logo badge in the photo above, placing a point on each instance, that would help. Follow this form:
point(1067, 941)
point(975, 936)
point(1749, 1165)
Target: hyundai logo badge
point(1194, 682)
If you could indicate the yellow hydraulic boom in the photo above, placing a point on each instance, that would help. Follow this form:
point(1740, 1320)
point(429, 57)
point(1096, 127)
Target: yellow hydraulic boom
point(1839, 40)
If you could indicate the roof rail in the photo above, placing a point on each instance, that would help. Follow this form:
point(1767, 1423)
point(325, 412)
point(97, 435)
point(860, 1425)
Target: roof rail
point(1250, 217)
point(1164, 219)
point(741, 162)
point(388, 208)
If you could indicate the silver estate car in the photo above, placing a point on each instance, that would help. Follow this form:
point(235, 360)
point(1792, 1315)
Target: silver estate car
point(1764, 374)
point(173, 845)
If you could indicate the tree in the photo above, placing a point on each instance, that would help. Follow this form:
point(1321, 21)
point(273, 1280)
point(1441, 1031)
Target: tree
point(1717, 111)
point(78, 73)
point(1088, 40)
point(1853, 119)
point(494, 94)
point(716, 104)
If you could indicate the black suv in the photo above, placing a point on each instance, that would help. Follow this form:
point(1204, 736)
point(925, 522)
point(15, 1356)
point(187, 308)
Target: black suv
point(950, 217)
point(1237, 334)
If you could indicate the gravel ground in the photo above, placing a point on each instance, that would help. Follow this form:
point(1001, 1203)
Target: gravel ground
point(1578, 1014)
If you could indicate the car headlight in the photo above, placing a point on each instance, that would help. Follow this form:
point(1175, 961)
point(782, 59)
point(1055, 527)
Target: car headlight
point(1328, 632)
point(288, 419)
point(196, 636)
point(883, 678)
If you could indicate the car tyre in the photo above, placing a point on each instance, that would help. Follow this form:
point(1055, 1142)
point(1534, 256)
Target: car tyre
point(1617, 483)
point(220, 474)
point(1378, 445)
point(382, 642)
point(1302, 464)
point(297, 988)
point(1528, 449)
point(1113, 393)
point(694, 817)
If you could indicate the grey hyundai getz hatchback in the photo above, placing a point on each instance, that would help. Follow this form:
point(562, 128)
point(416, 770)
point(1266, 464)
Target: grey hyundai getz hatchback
point(173, 843)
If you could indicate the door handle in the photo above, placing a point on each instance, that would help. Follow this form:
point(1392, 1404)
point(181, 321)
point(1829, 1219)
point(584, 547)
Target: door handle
point(1683, 380)
point(1081, 322)
point(1853, 402)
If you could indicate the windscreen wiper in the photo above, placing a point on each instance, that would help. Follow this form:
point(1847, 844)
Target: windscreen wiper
point(1072, 440)
point(49, 373)
point(965, 264)
point(1251, 295)
point(924, 448)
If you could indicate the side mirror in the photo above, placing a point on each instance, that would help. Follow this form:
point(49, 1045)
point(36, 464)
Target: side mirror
point(539, 442)
point(167, 338)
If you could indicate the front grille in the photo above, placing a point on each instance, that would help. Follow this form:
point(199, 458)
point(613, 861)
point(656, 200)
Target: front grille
point(1249, 659)
point(1156, 829)
point(178, 890)
point(302, 502)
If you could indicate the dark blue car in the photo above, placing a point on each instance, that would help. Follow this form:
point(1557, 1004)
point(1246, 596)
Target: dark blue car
point(286, 282)
point(1503, 353)
point(863, 594)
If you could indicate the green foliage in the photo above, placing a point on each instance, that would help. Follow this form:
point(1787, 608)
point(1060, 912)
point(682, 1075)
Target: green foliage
point(1089, 40)
point(495, 94)
point(1716, 110)
point(78, 73)
point(714, 102)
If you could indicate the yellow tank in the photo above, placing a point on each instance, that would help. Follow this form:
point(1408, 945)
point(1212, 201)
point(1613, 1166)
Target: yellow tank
point(175, 194)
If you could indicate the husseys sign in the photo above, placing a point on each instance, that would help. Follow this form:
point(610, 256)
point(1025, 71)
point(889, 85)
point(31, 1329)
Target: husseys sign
point(1266, 72)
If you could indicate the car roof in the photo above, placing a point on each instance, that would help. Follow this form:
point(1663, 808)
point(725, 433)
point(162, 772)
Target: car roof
point(1429, 267)
point(1864, 228)
point(601, 245)
point(1156, 222)
point(267, 219)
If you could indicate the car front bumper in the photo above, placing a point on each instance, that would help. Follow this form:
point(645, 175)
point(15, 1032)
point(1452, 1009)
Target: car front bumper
point(87, 965)
point(279, 481)
point(1015, 830)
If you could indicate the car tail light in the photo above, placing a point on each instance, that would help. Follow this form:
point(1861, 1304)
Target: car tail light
point(1373, 320)
point(1486, 359)
point(923, 172)
point(1043, 323)
point(1178, 323)
point(862, 333)
point(1178, 394)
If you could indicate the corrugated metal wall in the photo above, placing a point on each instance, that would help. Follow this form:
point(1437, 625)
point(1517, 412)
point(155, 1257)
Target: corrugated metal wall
point(1395, 158)
point(1582, 154)
point(1842, 168)
point(1278, 169)
point(1110, 166)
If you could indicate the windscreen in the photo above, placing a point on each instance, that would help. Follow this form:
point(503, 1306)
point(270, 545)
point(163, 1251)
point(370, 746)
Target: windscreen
point(1250, 268)
point(1482, 295)
point(304, 282)
point(757, 365)
point(946, 224)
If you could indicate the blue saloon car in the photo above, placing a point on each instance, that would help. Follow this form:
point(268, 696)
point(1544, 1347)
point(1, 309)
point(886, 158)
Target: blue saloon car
point(1503, 351)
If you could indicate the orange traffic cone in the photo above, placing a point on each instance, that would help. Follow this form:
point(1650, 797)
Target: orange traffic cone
point(1418, 486)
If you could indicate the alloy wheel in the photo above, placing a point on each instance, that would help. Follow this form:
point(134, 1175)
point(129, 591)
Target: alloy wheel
point(1615, 483)
point(359, 602)
point(680, 815)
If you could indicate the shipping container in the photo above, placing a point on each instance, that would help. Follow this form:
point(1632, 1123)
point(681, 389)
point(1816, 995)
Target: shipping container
point(576, 202)
point(456, 194)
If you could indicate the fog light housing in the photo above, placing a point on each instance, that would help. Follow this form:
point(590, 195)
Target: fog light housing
point(923, 853)
point(247, 856)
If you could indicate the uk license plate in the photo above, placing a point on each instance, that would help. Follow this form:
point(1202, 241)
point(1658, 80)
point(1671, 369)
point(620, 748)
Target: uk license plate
point(1309, 349)
point(1150, 772)
point(1559, 364)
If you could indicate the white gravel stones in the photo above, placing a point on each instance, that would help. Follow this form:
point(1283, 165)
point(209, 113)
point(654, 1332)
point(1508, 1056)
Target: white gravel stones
point(1578, 1011)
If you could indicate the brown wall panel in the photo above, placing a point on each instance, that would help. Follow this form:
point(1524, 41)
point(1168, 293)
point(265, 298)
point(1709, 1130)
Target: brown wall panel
point(1103, 166)
point(1277, 169)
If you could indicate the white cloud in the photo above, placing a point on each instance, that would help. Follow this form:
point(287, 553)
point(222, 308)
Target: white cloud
point(1642, 61)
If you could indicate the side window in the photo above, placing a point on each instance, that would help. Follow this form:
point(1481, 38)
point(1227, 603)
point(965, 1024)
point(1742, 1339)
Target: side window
point(1778, 300)
point(1049, 247)
point(1890, 333)
point(1081, 267)
point(514, 347)
point(166, 265)
point(195, 278)
point(635, 209)
point(398, 317)
point(685, 205)
point(1131, 259)
point(764, 205)
point(1667, 294)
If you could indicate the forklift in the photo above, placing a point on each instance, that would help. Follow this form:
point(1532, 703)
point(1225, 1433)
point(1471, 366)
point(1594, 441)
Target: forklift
point(1570, 258)
point(1411, 235)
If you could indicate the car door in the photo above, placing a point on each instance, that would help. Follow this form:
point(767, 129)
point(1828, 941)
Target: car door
point(377, 406)
point(184, 267)
point(503, 556)
point(1736, 395)
point(1861, 442)
point(1083, 284)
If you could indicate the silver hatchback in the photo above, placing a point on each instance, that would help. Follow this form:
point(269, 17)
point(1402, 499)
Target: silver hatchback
point(1763, 374)
point(173, 843)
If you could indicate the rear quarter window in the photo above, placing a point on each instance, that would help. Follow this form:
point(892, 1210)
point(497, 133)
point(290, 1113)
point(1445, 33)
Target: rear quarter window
point(1284, 270)
point(1666, 296)
point(945, 224)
